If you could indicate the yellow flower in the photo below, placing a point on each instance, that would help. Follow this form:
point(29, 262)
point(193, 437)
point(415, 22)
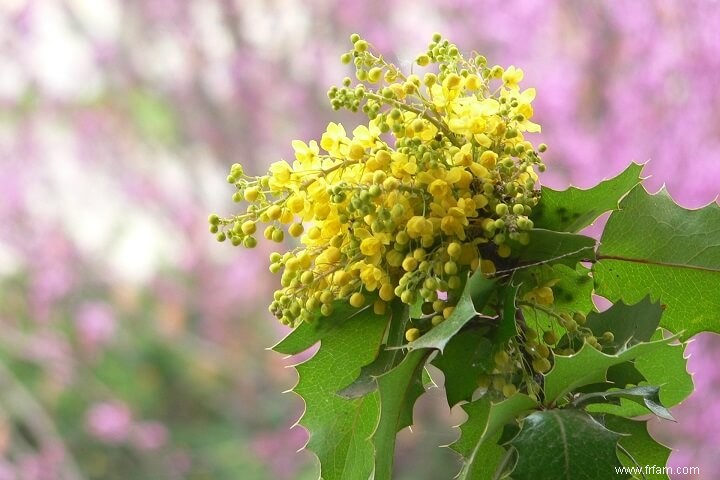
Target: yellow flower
point(306, 155)
point(367, 136)
point(333, 138)
point(403, 166)
point(512, 77)
point(280, 175)
point(439, 189)
point(377, 212)
point(371, 246)
point(418, 226)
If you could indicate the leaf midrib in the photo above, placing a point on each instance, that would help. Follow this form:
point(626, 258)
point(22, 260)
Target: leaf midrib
point(563, 436)
point(646, 261)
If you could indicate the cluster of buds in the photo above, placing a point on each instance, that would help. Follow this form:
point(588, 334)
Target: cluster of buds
point(439, 183)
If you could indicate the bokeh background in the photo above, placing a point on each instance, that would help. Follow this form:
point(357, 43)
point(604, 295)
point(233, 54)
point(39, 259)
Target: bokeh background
point(132, 345)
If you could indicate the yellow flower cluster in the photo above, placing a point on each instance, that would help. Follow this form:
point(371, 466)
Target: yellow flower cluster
point(437, 184)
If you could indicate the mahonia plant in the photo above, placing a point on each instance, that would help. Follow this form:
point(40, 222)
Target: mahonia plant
point(424, 238)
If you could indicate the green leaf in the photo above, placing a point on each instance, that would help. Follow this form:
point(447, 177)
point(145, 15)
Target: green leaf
point(416, 308)
point(548, 246)
point(339, 428)
point(651, 246)
point(507, 328)
point(399, 389)
point(645, 450)
point(475, 295)
point(665, 367)
point(647, 396)
point(573, 292)
point(588, 366)
point(476, 466)
point(629, 324)
point(573, 209)
point(481, 431)
point(309, 333)
point(388, 358)
point(466, 356)
point(565, 444)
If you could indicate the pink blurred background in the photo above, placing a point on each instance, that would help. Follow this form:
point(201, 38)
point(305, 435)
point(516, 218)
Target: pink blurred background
point(133, 345)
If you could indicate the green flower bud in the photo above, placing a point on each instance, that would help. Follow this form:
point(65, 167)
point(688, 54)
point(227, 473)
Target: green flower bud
point(361, 46)
point(422, 60)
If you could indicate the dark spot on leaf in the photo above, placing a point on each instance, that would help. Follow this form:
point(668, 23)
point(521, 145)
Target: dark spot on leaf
point(561, 210)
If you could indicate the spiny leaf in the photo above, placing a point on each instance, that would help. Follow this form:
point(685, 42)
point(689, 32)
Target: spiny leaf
point(629, 324)
point(653, 246)
point(340, 428)
point(312, 331)
point(645, 450)
point(466, 356)
point(565, 444)
point(399, 389)
point(481, 431)
point(588, 366)
point(478, 290)
point(388, 358)
point(665, 367)
point(573, 209)
point(647, 396)
point(470, 352)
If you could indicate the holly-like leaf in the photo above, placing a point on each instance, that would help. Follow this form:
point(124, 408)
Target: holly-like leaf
point(388, 358)
point(484, 465)
point(466, 356)
point(650, 455)
point(312, 331)
point(665, 367)
point(589, 366)
point(399, 389)
point(647, 396)
point(629, 324)
point(482, 430)
point(651, 246)
point(548, 246)
point(475, 295)
point(565, 444)
point(573, 209)
point(339, 428)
